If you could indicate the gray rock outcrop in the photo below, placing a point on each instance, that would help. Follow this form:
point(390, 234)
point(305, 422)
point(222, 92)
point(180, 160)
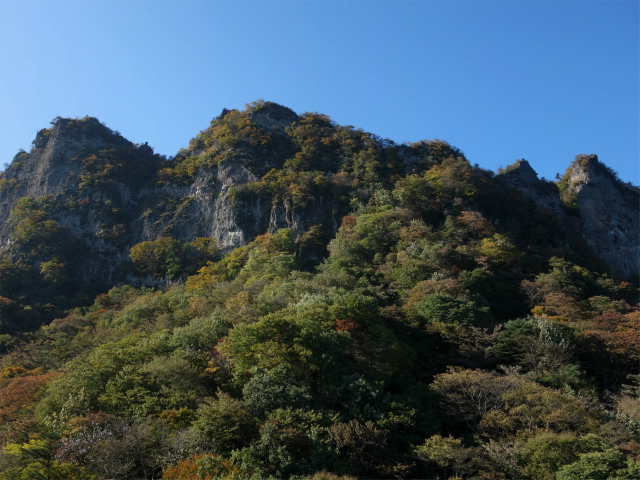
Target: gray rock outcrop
point(121, 211)
point(592, 200)
point(208, 206)
point(609, 213)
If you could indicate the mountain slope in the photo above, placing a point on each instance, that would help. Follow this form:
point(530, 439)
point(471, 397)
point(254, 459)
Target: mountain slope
point(288, 298)
point(266, 168)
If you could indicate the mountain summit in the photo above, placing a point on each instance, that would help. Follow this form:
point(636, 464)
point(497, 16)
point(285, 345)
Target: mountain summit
point(264, 169)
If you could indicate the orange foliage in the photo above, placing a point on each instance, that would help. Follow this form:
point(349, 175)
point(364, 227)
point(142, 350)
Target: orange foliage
point(184, 470)
point(611, 346)
point(346, 325)
point(618, 333)
point(90, 419)
point(265, 243)
point(203, 467)
point(476, 224)
point(5, 302)
point(199, 306)
point(349, 221)
point(617, 322)
point(561, 307)
point(20, 393)
point(619, 344)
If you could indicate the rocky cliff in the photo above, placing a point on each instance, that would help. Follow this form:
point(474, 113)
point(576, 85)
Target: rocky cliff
point(592, 204)
point(608, 213)
point(111, 194)
point(54, 164)
point(257, 171)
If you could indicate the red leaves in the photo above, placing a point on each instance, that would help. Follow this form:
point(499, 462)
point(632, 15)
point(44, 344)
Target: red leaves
point(349, 221)
point(346, 325)
point(20, 393)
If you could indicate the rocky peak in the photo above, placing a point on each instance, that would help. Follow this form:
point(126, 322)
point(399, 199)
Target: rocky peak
point(523, 177)
point(62, 144)
point(56, 153)
point(273, 116)
point(609, 212)
point(601, 209)
point(588, 171)
point(87, 130)
point(55, 160)
point(521, 172)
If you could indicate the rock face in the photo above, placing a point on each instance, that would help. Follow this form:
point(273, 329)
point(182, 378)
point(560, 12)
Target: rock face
point(273, 116)
point(64, 170)
point(521, 176)
point(203, 209)
point(609, 213)
point(53, 164)
point(109, 193)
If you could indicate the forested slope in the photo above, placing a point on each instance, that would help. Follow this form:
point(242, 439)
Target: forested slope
point(288, 297)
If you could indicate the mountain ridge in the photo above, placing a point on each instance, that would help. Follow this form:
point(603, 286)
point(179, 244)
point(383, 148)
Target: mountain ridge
point(257, 171)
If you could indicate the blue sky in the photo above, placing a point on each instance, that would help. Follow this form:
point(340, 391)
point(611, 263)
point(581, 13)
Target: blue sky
point(541, 80)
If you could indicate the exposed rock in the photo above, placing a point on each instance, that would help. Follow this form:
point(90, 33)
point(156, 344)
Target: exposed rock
point(521, 176)
point(206, 208)
point(273, 116)
point(54, 163)
point(209, 205)
point(609, 213)
point(608, 220)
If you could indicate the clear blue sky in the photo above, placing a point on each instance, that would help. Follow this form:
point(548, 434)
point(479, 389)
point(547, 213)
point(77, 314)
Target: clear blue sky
point(541, 80)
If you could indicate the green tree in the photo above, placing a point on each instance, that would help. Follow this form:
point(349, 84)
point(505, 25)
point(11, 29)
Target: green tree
point(607, 464)
point(224, 424)
point(37, 461)
point(531, 408)
point(158, 257)
point(548, 452)
point(473, 394)
point(291, 442)
point(446, 309)
point(362, 445)
point(275, 389)
point(450, 455)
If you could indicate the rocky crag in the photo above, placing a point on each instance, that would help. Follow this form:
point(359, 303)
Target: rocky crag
point(257, 171)
point(593, 205)
point(608, 213)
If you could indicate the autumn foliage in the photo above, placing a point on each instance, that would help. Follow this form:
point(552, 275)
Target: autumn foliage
point(435, 323)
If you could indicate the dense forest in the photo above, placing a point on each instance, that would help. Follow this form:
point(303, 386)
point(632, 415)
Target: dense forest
point(429, 320)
